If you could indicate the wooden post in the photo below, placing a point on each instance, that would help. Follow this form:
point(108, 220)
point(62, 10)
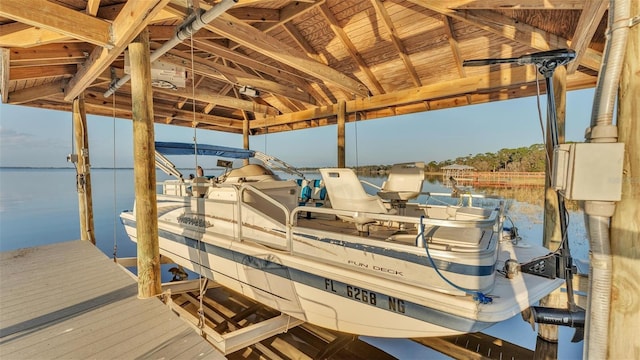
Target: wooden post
point(342, 117)
point(624, 318)
point(144, 171)
point(551, 231)
point(83, 173)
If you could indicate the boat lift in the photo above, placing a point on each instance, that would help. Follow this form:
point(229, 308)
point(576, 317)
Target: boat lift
point(559, 263)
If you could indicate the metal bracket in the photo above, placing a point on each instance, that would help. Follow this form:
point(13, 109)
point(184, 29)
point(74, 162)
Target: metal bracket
point(553, 265)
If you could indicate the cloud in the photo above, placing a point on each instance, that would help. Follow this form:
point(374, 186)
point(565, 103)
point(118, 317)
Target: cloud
point(12, 137)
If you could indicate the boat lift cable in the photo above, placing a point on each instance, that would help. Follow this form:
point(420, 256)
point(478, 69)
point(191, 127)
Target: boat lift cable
point(202, 282)
point(115, 206)
point(478, 296)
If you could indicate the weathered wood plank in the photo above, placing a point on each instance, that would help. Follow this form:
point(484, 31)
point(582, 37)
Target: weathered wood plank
point(4, 74)
point(60, 19)
point(85, 307)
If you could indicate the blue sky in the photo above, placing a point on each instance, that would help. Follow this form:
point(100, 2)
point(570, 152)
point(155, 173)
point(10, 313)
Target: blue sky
point(37, 137)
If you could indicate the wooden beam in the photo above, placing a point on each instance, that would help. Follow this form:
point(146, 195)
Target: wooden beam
point(62, 53)
point(228, 101)
point(255, 14)
point(587, 25)
point(95, 102)
point(350, 47)
point(92, 7)
point(149, 283)
point(250, 37)
point(511, 29)
point(36, 92)
point(5, 74)
point(83, 168)
point(516, 4)
point(455, 49)
point(134, 17)
point(213, 70)
point(40, 72)
point(18, 35)
point(450, 88)
point(60, 19)
point(378, 5)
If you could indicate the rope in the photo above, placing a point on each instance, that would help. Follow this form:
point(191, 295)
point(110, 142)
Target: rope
point(478, 296)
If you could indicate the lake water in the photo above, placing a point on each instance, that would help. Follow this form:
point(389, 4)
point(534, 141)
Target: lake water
point(40, 206)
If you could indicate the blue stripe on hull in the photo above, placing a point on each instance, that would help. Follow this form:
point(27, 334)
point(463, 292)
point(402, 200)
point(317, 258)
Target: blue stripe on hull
point(335, 287)
point(462, 269)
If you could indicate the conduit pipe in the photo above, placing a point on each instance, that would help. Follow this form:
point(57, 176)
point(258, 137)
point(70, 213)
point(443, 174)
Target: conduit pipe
point(184, 31)
point(598, 213)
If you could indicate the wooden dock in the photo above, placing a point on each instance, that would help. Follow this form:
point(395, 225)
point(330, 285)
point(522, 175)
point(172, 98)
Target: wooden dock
point(68, 300)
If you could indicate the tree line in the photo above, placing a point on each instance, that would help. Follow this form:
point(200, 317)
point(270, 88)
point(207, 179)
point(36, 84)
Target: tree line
point(531, 159)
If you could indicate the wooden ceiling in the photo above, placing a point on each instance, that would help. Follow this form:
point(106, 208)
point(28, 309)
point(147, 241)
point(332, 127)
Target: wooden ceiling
point(305, 57)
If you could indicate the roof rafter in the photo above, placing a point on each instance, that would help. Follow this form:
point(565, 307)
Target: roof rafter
point(427, 92)
point(350, 47)
point(587, 25)
point(252, 38)
point(133, 17)
point(92, 7)
point(227, 101)
point(59, 19)
point(39, 72)
point(378, 5)
point(36, 92)
point(455, 49)
point(316, 91)
point(515, 4)
point(509, 28)
point(226, 73)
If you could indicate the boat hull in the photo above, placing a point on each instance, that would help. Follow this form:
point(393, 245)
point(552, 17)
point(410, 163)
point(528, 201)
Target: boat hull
point(319, 292)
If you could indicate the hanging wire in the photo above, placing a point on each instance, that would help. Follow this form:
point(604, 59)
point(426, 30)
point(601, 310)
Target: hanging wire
point(202, 282)
point(115, 187)
point(565, 236)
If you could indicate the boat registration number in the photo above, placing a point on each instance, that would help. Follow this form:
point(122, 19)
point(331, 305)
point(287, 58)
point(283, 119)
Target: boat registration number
point(365, 296)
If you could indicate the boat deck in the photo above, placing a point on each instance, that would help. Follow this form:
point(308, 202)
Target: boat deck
point(68, 300)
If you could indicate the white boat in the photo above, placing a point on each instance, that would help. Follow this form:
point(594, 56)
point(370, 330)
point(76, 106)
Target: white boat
point(326, 252)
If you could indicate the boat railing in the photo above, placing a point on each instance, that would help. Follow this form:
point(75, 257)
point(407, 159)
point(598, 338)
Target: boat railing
point(469, 223)
point(266, 204)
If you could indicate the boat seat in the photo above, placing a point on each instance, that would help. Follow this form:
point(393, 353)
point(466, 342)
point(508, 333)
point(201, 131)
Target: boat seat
point(346, 193)
point(311, 192)
point(403, 183)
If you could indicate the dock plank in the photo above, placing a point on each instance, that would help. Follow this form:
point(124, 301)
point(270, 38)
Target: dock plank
point(69, 300)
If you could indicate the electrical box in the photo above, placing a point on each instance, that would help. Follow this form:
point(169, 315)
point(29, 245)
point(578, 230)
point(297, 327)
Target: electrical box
point(162, 74)
point(588, 171)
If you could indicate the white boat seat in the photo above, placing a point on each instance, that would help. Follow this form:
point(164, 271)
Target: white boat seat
point(404, 183)
point(346, 193)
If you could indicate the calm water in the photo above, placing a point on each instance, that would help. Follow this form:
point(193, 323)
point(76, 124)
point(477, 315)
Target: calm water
point(40, 206)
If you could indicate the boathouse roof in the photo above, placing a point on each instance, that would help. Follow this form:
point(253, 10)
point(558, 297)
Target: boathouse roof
point(285, 65)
